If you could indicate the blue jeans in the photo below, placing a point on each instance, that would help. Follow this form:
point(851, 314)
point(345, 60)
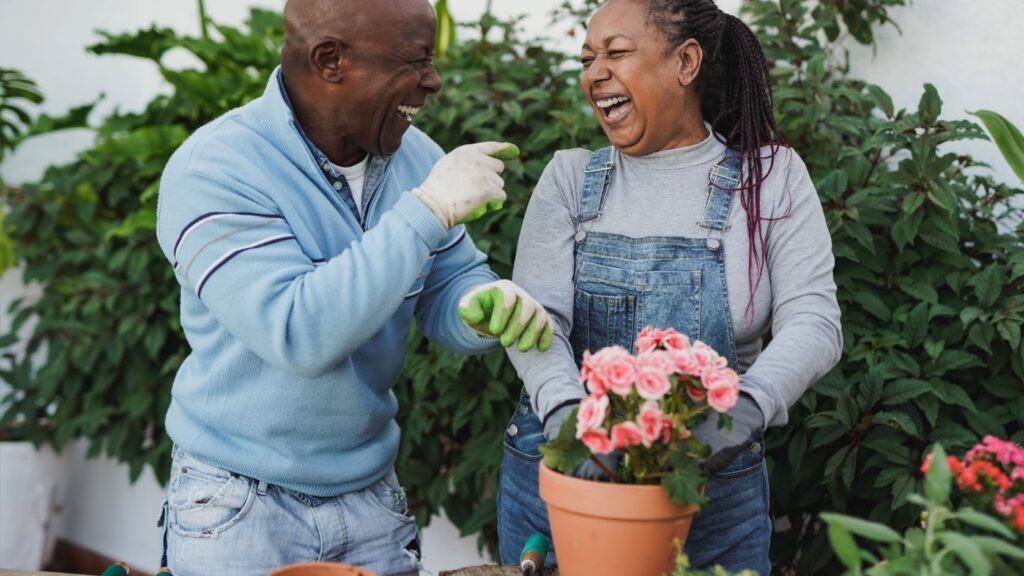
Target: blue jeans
point(733, 529)
point(219, 523)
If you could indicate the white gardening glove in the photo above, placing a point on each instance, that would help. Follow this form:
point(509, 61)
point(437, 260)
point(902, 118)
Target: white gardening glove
point(465, 179)
point(506, 311)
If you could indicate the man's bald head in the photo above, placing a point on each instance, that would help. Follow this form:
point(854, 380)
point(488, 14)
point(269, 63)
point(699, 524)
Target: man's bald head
point(310, 24)
point(357, 71)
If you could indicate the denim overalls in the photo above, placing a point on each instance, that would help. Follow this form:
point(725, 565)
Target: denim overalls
point(621, 285)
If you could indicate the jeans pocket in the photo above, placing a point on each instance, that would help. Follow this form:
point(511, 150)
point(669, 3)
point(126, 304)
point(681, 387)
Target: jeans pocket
point(204, 501)
point(524, 434)
point(389, 496)
point(747, 463)
point(741, 473)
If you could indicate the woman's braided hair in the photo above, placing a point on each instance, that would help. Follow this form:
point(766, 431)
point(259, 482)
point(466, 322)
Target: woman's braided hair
point(735, 92)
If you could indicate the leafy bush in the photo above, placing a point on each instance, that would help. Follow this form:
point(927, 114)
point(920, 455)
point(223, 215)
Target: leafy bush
point(17, 91)
point(930, 274)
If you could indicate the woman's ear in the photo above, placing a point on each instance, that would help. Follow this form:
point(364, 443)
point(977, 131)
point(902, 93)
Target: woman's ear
point(326, 58)
point(688, 56)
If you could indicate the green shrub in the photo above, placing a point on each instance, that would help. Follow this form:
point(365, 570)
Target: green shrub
point(17, 92)
point(930, 272)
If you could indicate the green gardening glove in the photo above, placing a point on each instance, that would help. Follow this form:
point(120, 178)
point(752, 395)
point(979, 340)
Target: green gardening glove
point(504, 310)
point(509, 152)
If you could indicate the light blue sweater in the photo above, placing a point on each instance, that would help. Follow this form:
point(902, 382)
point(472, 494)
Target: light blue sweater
point(297, 313)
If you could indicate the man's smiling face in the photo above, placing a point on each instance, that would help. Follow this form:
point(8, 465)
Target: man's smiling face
point(389, 73)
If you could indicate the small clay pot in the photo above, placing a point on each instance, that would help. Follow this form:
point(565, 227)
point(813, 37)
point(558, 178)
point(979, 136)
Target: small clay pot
point(320, 569)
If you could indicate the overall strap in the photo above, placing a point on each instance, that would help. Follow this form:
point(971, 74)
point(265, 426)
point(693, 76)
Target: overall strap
point(723, 182)
point(596, 177)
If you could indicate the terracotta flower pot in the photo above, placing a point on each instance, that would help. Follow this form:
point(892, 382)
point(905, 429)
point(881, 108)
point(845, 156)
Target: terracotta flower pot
point(320, 569)
point(603, 528)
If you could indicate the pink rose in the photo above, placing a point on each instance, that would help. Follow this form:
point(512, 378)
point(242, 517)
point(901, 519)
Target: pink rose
point(667, 426)
point(591, 414)
point(696, 392)
point(723, 388)
point(591, 376)
point(651, 421)
point(673, 340)
point(686, 362)
point(646, 331)
point(645, 344)
point(597, 441)
point(652, 383)
point(617, 368)
point(626, 434)
point(646, 340)
point(704, 356)
point(659, 359)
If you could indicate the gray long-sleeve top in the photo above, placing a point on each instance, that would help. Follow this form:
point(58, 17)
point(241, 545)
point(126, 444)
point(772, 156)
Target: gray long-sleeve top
point(663, 194)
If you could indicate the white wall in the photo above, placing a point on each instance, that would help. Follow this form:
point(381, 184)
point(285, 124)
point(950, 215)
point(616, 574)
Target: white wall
point(969, 50)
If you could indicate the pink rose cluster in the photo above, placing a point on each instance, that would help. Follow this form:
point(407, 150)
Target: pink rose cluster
point(648, 389)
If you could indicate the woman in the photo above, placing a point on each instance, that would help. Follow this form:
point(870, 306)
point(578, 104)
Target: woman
point(697, 219)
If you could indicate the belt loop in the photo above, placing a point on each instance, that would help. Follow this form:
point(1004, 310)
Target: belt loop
point(261, 488)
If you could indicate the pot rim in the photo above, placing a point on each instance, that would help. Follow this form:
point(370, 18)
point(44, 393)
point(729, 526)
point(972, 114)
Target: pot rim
point(608, 500)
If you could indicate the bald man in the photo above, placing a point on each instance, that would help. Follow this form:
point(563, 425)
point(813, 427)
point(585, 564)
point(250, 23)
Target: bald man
point(307, 229)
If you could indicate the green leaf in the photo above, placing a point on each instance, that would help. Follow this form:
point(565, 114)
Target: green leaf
point(834, 461)
point(954, 360)
point(1007, 137)
point(881, 98)
point(934, 347)
point(899, 391)
point(981, 335)
point(844, 546)
point(873, 305)
point(930, 105)
point(897, 420)
point(565, 452)
point(939, 480)
point(143, 220)
point(1010, 331)
point(970, 314)
point(869, 390)
point(983, 521)
point(968, 551)
point(870, 530)
point(683, 483)
point(921, 292)
point(445, 27)
point(989, 285)
point(996, 546)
